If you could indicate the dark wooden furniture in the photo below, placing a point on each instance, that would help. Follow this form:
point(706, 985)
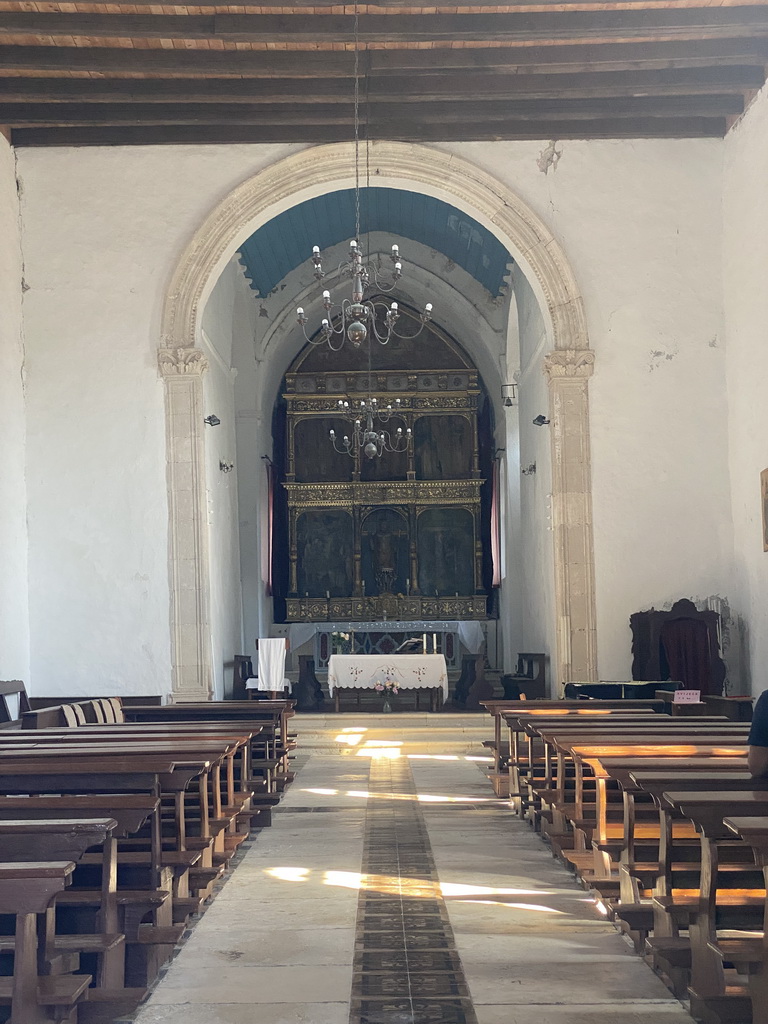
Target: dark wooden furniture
point(529, 677)
point(13, 701)
point(682, 643)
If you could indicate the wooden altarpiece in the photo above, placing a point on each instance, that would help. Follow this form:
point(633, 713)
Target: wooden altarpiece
point(399, 536)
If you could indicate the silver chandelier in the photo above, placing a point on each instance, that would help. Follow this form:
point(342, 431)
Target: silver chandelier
point(366, 437)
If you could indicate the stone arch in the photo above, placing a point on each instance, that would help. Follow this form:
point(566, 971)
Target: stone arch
point(313, 172)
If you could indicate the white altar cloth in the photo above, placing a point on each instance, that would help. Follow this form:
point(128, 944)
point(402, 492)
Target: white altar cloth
point(409, 671)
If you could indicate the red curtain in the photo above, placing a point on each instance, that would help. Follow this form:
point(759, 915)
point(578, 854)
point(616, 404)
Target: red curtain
point(495, 528)
point(270, 516)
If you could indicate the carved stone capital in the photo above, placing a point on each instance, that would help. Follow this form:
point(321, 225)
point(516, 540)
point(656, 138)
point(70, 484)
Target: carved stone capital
point(569, 362)
point(175, 362)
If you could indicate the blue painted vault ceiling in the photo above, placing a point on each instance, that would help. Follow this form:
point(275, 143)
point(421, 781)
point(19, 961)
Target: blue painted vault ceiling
point(286, 241)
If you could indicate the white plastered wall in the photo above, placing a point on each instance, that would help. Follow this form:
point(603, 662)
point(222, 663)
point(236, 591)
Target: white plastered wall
point(228, 323)
point(640, 223)
point(14, 609)
point(745, 260)
point(103, 229)
point(538, 617)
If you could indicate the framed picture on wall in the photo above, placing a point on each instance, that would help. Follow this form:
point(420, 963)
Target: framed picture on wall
point(764, 506)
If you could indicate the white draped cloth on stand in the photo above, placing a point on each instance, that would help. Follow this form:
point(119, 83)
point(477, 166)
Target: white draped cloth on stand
point(407, 671)
point(271, 677)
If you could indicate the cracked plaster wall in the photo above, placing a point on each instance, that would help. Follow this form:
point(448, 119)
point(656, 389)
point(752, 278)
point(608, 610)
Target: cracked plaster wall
point(745, 226)
point(103, 229)
point(14, 610)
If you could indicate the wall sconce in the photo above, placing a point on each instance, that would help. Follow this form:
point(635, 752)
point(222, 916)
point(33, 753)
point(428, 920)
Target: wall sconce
point(212, 421)
point(226, 467)
point(529, 470)
point(509, 394)
point(540, 421)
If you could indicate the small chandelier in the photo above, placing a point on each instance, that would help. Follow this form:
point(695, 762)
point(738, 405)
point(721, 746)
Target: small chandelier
point(366, 437)
point(359, 318)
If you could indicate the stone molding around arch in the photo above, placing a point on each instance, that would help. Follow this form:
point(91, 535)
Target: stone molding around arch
point(312, 172)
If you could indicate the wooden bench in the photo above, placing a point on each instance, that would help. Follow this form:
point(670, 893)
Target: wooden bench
point(27, 890)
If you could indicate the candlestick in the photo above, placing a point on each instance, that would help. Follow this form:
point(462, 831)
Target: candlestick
point(434, 643)
point(424, 643)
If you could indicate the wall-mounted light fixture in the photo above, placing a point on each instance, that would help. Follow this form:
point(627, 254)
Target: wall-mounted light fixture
point(509, 394)
point(529, 470)
point(226, 467)
point(212, 421)
point(540, 421)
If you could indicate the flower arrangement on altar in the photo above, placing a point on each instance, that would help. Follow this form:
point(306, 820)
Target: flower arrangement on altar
point(387, 687)
point(341, 643)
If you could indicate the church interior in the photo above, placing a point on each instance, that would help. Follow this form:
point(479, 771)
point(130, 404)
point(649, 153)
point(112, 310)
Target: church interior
point(359, 359)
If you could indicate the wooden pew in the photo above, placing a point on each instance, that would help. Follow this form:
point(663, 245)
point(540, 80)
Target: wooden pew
point(751, 954)
point(700, 756)
point(26, 890)
point(496, 709)
point(68, 839)
point(723, 900)
point(527, 750)
point(579, 749)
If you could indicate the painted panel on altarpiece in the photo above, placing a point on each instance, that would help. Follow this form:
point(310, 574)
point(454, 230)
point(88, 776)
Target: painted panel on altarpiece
point(446, 551)
point(324, 541)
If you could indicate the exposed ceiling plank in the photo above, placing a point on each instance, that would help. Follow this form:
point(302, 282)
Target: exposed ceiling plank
point(709, 23)
point(418, 5)
point(381, 117)
point(334, 64)
point(458, 86)
point(552, 59)
point(691, 127)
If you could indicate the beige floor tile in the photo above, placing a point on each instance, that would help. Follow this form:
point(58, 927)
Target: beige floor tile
point(669, 1012)
point(237, 1013)
point(245, 946)
point(228, 984)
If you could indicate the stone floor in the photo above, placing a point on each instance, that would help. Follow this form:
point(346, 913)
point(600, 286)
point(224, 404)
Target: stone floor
point(393, 888)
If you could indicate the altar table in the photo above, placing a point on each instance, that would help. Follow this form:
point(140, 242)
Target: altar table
point(408, 671)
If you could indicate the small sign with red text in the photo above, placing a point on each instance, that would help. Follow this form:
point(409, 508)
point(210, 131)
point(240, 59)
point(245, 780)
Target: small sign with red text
point(687, 697)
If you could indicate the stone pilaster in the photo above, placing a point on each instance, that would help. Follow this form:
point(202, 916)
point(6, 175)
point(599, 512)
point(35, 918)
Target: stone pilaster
point(182, 371)
point(568, 371)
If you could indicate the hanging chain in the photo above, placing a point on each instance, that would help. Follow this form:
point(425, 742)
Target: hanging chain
point(357, 122)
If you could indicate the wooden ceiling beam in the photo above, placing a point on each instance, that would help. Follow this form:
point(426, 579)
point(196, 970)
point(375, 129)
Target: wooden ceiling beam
point(686, 127)
point(381, 118)
point(428, 6)
point(457, 86)
point(336, 64)
point(710, 23)
point(571, 58)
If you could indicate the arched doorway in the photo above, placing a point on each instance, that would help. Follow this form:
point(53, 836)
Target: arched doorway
point(568, 366)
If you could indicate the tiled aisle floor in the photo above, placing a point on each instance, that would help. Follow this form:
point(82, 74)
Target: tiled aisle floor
point(283, 942)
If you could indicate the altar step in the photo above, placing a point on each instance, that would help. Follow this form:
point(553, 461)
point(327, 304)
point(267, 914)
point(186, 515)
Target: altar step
point(449, 733)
